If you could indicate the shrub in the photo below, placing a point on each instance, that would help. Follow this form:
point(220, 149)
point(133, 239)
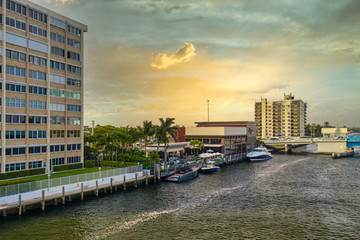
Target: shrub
point(15, 181)
point(89, 164)
point(67, 167)
point(23, 173)
point(117, 164)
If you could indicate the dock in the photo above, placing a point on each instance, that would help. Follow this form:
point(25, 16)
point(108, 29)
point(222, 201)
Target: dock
point(62, 194)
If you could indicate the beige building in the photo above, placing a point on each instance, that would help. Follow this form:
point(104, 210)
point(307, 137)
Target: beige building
point(282, 118)
point(334, 132)
point(41, 87)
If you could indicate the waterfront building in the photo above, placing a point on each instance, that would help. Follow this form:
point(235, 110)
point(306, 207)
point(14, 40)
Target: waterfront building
point(280, 118)
point(42, 87)
point(334, 132)
point(227, 137)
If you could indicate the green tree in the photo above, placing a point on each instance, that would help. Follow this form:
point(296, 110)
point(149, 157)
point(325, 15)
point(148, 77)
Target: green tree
point(196, 144)
point(166, 128)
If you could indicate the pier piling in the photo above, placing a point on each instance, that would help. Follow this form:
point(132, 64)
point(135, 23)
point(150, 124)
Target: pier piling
point(55, 201)
point(43, 200)
point(124, 183)
point(97, 188)
point(111, 185)
point(82, 191)
point(63, 195)
point(136, 180)
point(147, 180)
point(20, 206)
point(4, 213)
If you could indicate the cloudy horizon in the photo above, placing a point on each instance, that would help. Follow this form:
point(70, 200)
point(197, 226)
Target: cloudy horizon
point(150, 59)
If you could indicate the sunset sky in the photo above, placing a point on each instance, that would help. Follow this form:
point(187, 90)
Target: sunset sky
point(149, 59)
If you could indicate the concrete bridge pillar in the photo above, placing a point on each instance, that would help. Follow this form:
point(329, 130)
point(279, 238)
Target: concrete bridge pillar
point(288, 147)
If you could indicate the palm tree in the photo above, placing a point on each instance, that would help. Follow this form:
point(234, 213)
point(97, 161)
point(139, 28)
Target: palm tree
point(166, 128)
point(197, 144)
point(148, 130)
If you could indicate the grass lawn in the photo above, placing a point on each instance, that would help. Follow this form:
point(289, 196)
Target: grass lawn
point(53, 175)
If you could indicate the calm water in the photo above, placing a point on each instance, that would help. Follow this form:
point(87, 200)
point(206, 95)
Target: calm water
point(289, 197)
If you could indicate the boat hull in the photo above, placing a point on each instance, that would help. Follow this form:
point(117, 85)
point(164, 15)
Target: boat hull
point(210, 170)
point(183, 177)
point(260, 158)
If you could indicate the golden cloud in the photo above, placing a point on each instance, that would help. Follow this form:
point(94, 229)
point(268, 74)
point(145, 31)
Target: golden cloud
point(183, 54)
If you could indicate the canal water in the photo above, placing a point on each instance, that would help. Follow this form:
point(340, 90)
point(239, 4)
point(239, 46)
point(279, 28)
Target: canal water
point(292, 196)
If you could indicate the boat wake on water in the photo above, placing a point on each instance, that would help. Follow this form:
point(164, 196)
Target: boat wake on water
point(118, 227)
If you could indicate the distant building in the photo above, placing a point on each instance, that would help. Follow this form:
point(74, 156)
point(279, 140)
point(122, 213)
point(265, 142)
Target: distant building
point(230, 137)
point(334, 132)
point(285, 118)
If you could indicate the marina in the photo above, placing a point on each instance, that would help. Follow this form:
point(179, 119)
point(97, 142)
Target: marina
point(319, 198)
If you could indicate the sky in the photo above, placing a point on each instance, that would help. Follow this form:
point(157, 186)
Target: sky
point(146, 59)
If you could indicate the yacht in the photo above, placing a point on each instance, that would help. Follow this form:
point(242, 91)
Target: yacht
point(259, 154)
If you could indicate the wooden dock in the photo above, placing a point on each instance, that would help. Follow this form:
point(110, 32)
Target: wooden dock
point(54, 199)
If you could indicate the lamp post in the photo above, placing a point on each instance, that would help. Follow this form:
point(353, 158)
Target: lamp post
point(208, 104)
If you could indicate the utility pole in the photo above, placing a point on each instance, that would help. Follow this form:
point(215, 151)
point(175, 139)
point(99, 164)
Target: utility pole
point(208, 105)
point(93, 123)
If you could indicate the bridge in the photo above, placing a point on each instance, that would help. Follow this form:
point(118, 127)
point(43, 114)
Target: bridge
point(326, 146)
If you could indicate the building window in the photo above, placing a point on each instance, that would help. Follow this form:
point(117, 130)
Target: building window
point(55, 106)
point(16, 23)
point(15, 102)
point(57, 133)
point(58, 51)
point(74, 30)
point(73, 121)
point(57, 148)
point(37, 30)
point(15, 134)
point(73, 133)
point(57, 65)
point(15, 55)
point(35, 104)
point(13, 87)
point(11, 167)
point(57, 161)
point(40, 61)
point(37, 119)
point(36, 15)
point(74, 108)
point(73, 159)
point(14, 151)
point(74, 147)
point(37, 75)
point(74, 69)
point(59, 79)
point(74, 82)
point(37, 134)
point(38, 90)
point(73, 43)
point(57, 37)
point(37, 149)
point(15, 119)
point(15, 71)
point(57, 23)
point(15, 7)
point(55, 92)
point(35, 164)
point(74, 56)
point(73, 94)
point(57, 120)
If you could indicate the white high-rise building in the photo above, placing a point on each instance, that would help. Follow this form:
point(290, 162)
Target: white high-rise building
point(281, 118)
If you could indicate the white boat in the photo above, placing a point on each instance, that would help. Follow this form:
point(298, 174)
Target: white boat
point(259, 154)
point(210, 167)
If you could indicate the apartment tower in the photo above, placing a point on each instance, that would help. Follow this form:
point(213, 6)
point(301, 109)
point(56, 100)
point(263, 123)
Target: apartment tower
point(282, 118)
point(41, 87)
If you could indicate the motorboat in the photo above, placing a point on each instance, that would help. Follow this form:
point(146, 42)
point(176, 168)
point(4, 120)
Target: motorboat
point(184, 175)
point(210, 167)
point(259, 154)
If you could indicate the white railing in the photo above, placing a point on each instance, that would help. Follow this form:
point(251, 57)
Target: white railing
point(55, 182)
